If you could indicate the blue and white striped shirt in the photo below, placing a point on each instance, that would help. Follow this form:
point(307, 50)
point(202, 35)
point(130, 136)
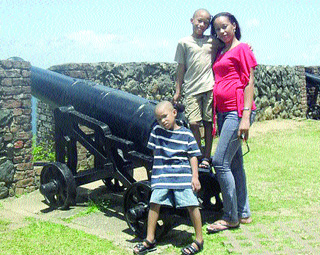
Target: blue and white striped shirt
point(172, 150)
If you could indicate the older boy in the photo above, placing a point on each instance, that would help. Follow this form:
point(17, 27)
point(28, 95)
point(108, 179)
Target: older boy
point(195, 55)
point(174, 175)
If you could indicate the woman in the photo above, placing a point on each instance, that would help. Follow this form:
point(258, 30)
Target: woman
point(234, 106)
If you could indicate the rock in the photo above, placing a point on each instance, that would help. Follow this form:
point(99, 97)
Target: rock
point(284, 114)
point(268, 113)
point(7, 171)
point(4, 191)
point(10, 151)
point(264, 102)
point(6, 117)
point(277, 108)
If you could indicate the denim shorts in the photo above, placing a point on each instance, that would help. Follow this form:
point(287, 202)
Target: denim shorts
point(176, 198)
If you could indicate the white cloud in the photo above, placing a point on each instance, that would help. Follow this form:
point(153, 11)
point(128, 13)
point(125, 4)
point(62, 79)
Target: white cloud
point(163, 43)
point(99, 41)
point(105, 41)
point(311, 55)
point(286, 36)
point(252, 23)
point(90, 46)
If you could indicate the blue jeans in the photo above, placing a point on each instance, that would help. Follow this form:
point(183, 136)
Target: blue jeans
point(228, 164)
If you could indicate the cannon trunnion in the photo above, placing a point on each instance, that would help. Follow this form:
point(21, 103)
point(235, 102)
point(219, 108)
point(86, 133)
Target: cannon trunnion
point(119, 125)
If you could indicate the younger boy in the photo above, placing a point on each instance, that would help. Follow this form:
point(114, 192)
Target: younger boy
point(174, 175)
point(195, 55)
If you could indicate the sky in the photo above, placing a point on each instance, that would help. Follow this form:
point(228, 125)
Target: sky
point(53, 32)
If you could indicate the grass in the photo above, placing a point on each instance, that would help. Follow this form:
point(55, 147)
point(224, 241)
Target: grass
point(283, 183)
point(4, 225)
point(92, 208)
point(41, 237)
point(283, 175)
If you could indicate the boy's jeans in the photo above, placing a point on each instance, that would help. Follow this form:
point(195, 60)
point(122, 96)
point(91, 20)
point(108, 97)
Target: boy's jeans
point(228, 164)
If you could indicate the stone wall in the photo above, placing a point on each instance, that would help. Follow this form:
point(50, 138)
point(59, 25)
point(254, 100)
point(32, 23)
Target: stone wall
point(45, 126)
point(16, 167)
point(148, 80)
point(280, 92)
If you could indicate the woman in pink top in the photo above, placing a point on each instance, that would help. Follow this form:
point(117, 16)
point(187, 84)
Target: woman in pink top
point(235, 110)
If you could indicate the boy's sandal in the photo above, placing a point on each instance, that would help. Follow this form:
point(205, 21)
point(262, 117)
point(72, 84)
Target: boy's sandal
point(190, 249)
point(140, 248)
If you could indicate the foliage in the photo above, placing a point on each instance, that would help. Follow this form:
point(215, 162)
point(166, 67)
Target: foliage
point(93, 206)
point(41, 154)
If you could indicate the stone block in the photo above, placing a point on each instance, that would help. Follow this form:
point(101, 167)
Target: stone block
point(12, 73)
point(19, 191)
point(4, 191)
point(7, 137)
point(17, 159)
point(24, 166)
point(6, 117)
point(19, 175)
point(6, 82)
point(18, 144)
point(7, 171)
point(23, 135)
point(10, 104)
point(17, 112)
point(26, 73)
point(25, 183)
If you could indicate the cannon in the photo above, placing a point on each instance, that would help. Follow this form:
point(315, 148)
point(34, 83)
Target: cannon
point(313, 84)
point(119, 124)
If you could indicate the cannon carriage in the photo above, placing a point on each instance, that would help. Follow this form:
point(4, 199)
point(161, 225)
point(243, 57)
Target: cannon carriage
point(120, 124)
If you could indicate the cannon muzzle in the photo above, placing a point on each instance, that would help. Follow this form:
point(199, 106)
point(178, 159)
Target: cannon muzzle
point(128, 116)
point(313, 80)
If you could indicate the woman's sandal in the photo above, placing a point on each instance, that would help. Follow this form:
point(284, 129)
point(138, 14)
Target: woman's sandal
point(140, 248)
point(221, 225)
point(246, 220)
point(190, 249)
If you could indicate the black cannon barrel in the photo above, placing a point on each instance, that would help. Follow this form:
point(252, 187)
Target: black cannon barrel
point(313, 79)
point(128, 116)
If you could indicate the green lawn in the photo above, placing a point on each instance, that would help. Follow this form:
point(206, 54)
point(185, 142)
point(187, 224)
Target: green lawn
point(283, 172)
point(48, 238)
point(283, 180)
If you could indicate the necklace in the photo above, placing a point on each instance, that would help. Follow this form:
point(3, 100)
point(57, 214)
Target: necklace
point(224, 50)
